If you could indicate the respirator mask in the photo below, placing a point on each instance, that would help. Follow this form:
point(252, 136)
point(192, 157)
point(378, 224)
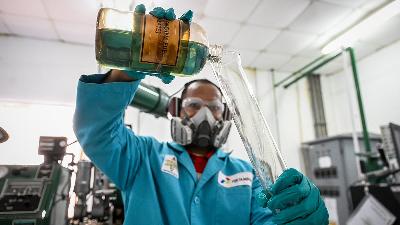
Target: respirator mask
point(199, 126)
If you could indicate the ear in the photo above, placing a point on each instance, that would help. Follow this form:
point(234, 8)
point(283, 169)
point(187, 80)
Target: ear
point(227, 115)
point(174, 106)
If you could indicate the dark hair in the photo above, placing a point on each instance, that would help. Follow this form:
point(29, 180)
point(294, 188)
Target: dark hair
point(203, 81)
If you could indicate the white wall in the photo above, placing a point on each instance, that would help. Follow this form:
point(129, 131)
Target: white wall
point(291, 120)
point(42, 71)
point(37, 93)
point(26, 122)
point(379, 76)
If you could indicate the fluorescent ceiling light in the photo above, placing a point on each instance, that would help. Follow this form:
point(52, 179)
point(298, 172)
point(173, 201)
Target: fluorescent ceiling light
point(364, 27)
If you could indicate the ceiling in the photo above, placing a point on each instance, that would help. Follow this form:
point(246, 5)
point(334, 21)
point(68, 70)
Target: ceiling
point(279, 34)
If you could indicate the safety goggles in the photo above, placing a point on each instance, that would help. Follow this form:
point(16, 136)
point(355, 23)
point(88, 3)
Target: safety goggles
point(192, 105)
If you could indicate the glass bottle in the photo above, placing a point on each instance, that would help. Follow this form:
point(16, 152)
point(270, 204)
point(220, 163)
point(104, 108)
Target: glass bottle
point(142, 42)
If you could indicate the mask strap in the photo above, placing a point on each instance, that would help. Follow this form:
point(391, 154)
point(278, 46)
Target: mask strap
point(174, 106)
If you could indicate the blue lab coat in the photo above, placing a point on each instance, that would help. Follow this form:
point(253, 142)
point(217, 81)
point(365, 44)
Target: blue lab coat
point(158, 180)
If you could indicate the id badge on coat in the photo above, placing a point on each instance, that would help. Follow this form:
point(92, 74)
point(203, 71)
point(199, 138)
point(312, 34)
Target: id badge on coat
point(170, 165)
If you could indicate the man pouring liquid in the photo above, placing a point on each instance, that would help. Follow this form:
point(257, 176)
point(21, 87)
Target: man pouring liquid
point(190, 180)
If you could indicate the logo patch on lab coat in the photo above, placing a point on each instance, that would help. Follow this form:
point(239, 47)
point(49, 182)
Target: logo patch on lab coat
point(170, 165)
point(243, 178)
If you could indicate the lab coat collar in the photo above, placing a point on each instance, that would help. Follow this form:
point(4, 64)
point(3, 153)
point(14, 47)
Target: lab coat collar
point(180, 148)
point(214, 164)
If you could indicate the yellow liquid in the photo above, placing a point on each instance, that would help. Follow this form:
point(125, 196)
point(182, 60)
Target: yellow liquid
point(121, 50)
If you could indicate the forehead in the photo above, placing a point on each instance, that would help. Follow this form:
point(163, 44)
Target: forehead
point(203, 90)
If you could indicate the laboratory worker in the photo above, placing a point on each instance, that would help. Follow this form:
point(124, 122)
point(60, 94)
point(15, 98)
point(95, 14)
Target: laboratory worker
point(190, 180)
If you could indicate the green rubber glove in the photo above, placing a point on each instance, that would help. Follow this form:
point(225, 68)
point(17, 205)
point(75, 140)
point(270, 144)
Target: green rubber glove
point(160, 13)
point(294, 200)
point(139, 75)
point(168, 14)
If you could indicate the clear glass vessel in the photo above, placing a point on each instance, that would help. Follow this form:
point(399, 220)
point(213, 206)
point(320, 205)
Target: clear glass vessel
point(254, 131)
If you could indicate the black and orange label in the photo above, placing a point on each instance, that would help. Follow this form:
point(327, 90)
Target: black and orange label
point(161, 40)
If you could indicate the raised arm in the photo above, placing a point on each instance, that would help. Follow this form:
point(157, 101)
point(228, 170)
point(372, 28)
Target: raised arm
point(99, 126)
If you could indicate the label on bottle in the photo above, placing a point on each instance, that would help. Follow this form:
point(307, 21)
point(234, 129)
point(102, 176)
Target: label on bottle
point(161, 41)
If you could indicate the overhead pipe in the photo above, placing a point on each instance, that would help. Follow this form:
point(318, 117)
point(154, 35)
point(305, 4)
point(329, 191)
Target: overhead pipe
point(304, 68)
point(325, 60)
point(360, 101)
point(152, 100)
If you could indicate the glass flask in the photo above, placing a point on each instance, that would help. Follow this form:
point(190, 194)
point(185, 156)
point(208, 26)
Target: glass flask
point(253, 129)
point(142, 42)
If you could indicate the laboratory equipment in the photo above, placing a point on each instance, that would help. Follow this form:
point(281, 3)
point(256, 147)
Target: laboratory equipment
point(52, 148)
point(387, 194)
point(36, 194)
point(106, 202)
point(82, 188)
point(142, 42)
point(331, 164)
point(253, 129)
point(391, 145)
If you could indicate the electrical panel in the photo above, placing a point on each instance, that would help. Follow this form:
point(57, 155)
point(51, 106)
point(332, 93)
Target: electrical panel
point(331, 164)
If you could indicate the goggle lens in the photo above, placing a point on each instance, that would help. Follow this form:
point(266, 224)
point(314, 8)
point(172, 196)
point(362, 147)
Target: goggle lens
point(192, 105)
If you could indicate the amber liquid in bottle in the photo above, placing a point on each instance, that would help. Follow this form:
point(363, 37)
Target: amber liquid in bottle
point(153, 45)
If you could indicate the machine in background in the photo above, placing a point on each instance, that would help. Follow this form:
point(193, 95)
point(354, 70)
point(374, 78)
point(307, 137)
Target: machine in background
point(331, 164)
point(388, 192)
point(106, 202)
point(391, 146)
point(38, 194)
